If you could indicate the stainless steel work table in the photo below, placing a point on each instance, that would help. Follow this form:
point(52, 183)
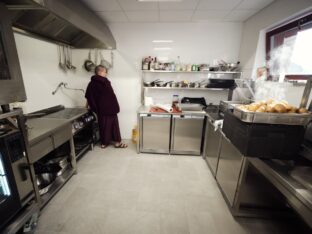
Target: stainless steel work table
point(39, 128)
point(45, 135)
point(69, 114)
point(146, 110)
point(294, 187)
point(170, 133)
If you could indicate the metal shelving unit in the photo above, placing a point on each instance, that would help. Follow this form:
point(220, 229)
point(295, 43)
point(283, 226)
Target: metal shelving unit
point(192, 72)
point(186, 88)
point(218, 75)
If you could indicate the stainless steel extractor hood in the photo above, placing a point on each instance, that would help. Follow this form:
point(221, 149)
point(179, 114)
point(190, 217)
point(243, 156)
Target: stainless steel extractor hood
point(65, 21)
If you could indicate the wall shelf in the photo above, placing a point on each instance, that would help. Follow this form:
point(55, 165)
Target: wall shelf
point(185, 88)
point(195, 72)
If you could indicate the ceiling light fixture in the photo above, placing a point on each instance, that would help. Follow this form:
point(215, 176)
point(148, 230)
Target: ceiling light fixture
point(162, 48)
point(162, 41)
point(159, 0)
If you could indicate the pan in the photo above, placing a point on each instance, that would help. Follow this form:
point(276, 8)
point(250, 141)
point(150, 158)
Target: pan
point(88, 64)
point(152, 83)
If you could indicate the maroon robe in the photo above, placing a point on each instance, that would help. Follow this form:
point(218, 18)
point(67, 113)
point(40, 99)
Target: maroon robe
point(103, 101)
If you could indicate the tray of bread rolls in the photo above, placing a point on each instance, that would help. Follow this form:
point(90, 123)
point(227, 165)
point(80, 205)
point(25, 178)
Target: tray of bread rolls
point(272, 112)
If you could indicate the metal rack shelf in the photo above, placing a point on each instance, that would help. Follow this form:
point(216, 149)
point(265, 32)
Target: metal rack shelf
point(185, 88)
point(57, 185)
point(204, 71)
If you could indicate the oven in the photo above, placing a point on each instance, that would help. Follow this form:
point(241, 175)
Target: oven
point(16, 186)
point(10, 202)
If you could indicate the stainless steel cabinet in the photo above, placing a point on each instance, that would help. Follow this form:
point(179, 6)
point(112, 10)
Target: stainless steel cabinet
point(229, 168)
point(154, 133)
point(187, 132)
point(212, 146)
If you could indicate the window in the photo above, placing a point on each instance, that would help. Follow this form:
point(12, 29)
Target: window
point(289, 50)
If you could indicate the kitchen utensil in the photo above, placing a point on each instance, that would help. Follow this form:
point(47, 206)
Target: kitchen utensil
point(96, 54)
point(66, 56)
point(104, 62)
point(61, 55)
point(167, 84)
point(89, 64)
point(70, 58)
point(152, 83)
point(45, 179)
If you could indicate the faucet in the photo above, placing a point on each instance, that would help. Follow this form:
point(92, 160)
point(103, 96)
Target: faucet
point(65, 85)
point(58, 87)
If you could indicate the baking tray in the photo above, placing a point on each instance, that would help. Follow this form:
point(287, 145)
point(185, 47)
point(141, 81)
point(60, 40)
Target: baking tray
point(272, 118)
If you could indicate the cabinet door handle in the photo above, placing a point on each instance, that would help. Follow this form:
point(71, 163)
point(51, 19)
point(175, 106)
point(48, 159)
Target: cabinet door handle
point(23, 168)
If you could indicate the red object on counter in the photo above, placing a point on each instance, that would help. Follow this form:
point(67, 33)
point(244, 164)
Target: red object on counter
point(159, 110)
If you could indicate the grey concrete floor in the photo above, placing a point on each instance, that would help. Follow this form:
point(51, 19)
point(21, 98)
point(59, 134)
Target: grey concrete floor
point(117, 191)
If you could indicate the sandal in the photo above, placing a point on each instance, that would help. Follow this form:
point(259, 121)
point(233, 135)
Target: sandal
point(103, 146)
point(121, 145)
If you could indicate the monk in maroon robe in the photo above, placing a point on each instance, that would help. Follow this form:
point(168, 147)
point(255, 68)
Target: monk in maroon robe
point(102, 100)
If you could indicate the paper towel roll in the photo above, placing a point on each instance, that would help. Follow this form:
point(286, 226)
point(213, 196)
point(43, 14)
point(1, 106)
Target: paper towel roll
point(166, 107)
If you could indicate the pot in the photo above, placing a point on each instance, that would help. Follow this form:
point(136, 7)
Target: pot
point(45, 179)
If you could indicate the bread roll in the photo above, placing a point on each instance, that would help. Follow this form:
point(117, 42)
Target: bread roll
point(253, 107)
point(303, 111)
point(261, 109)
point(280, 108)
point(270, 109)
point(293, 110)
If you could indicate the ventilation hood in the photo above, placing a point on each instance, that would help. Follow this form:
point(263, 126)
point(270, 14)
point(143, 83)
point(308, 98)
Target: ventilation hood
point(64, 21)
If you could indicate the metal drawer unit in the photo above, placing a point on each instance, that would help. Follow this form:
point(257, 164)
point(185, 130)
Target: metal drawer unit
point(229, 169)
point(154, 133)
point(187, 132)
point(212, 147)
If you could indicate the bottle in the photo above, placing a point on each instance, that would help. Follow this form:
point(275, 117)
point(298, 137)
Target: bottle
point(156, 64)
point(149, 60)
point(175, 100)
point(144, 64)
point(152, 65)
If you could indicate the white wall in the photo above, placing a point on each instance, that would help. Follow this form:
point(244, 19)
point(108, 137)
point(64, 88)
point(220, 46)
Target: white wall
point(193, 42)
point(252, 51)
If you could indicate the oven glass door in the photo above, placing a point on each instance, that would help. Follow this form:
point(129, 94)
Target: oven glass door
point(9, 200)
point(5, 191)
point(4, 67)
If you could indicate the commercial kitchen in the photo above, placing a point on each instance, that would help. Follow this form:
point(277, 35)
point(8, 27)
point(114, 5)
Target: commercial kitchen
point(215, 111)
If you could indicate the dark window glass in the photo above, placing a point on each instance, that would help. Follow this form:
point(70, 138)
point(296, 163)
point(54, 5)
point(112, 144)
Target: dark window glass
point(4, 68)
point(289, 49)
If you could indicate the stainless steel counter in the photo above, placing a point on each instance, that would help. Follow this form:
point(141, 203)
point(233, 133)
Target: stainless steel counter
point(39, 128)
point(69, 114)
point(291, 180)
point(170, 133)
point(146, 110)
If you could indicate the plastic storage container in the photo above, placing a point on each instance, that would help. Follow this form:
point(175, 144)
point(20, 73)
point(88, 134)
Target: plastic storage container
point(263, 140)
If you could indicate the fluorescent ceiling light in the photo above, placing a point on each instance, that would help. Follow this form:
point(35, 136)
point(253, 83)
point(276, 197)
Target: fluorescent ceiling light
point(162, 41)
point(162, 48)
point(159, 0)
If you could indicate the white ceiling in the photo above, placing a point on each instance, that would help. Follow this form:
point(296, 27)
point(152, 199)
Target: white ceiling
point(115, 11)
